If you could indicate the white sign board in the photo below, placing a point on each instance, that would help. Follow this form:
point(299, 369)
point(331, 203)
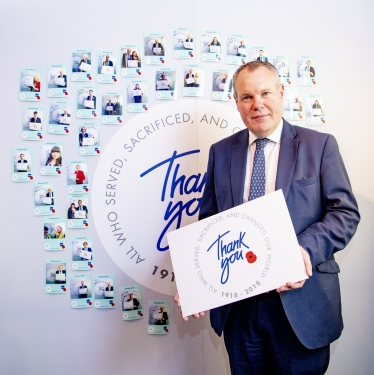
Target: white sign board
point(236, 254)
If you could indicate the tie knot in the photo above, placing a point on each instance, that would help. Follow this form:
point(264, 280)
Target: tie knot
point(261, 143)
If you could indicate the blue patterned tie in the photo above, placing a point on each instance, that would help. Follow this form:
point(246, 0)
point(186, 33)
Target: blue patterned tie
point(257, 188)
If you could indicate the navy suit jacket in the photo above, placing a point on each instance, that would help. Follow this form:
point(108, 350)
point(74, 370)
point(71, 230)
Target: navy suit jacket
point(37, 119)
point(110, 63)
point(323, 211)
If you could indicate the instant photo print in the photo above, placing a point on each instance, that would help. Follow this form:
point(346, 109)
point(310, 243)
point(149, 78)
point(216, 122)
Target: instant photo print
point(77, 177)
point(59, 119)
point(158, 317)
point(51, 159)
point(55, 278)
point(236, 49)
point(30, 85)
point(222, 85)
point(107, 67)
point(54, 230)
point(282, 63)
point(183, 43)
point(306, 71)
point(81, 65)
point(111, 108)
point(137, 96)
point(77, 211)
point(293, 105)
point(32, 123)
point(89, 139)
point(165, 84)
point(80, 287)
point(82, 253)
point(131, 302)
point(104, 291)
point(211, 46)
point(44, 198)
point(131, 60)
point(315, 110)
point(57, 81)
point(22, 164)
point(193, 78)
point(154, 48)
point(86, 102)
point(258, 54)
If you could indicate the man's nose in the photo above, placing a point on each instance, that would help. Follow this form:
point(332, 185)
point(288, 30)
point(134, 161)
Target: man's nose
point(258, 102)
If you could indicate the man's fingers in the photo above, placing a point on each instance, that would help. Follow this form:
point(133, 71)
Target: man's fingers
point(291, 286)
point(307, 262)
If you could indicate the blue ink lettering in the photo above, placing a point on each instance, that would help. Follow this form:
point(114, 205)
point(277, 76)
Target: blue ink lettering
point(226, 254)
point(178, 184)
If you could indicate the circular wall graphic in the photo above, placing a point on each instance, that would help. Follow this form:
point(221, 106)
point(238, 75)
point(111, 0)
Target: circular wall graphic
point(149, 181)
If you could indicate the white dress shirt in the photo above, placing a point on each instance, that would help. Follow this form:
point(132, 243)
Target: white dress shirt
point(271, 151)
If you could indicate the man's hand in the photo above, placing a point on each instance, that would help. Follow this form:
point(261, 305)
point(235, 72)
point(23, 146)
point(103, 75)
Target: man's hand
point(308, 270)
point(185, 318)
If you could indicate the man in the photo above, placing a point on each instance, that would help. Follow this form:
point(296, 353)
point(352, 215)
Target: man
point(126, 57)
point(35, 118)
point(46, 233)
point(109, 288)
point(163, 78)
point(22, 160)
point(242, 49)
point(262, 57)
point(60, 275)
point(82, 135)
point(107, 61)
point(91, 96)
point(84, 60)
point(86, 248)
point(227, 82)
point(189, 40)
point(64, 117)
point(83, 288)
point(156, 44)
point(288, 330)
point(49, 194)
point(135, 301)
point(81, 207)
point(164, 316)
point(109, 104)
point(309, 69)
point(190, 75)
point(62, 75)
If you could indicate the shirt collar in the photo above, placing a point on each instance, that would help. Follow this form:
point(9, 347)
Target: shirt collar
point(274, 137)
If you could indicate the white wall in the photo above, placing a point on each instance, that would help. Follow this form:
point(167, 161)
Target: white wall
point(39, 332)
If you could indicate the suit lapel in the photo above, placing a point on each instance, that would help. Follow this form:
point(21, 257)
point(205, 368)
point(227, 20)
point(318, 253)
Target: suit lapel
point(239, 152)
point(287, 158)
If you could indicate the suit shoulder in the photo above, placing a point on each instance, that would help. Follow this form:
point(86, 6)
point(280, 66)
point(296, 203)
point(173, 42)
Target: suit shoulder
point(311, 134)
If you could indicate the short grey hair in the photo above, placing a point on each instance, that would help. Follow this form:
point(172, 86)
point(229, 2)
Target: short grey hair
point(251, 67)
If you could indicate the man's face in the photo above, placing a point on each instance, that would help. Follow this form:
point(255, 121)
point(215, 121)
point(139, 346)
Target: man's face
point(21, 156)
point(107, 58)
point(308, 63)
point(83, 130)
point(191, 71)
point(128, 51)
point(90, 92)
point(261, 53)
point(85, 57)
point(35, 114)
point(45, 232)
point(156, 41)
point(65, 111)
point(82, 283)
point(80, 203)
point(59, 268)
point(163, 76)
point(259, 100)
